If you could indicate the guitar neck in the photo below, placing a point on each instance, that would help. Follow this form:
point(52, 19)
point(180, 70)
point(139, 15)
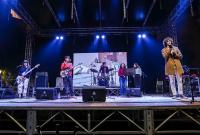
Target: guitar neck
point(30, 71)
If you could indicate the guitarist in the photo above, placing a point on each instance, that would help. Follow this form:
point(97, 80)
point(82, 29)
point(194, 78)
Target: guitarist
point(67, 80)
point(23, 85)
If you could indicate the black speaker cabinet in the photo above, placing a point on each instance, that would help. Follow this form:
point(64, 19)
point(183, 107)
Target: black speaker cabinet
point(6, 93)
point(41, 79)
point(133, 92)
point(46, 93)
point(94, 94)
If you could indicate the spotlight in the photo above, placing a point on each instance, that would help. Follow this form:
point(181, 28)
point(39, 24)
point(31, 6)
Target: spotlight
point(139, 36)
point(97, 36)
point(143, 35)
point(102, 36)
point(61, 37)
point(57, 37)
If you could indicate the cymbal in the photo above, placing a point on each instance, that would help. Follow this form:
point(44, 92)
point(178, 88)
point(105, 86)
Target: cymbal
point(93, 70)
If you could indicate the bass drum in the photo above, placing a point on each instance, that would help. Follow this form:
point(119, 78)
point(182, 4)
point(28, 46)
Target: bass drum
point(103, 81)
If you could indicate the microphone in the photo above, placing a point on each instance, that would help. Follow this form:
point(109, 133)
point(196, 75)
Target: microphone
point(19, 66)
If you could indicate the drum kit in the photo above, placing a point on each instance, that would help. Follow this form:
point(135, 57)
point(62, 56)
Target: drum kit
point(191, 81)
point(106, 79)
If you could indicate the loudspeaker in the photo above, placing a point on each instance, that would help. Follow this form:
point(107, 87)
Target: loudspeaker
point(6, 93)
point(92, 94)
point(46, 93)
point(41, 79)
point(133, 92)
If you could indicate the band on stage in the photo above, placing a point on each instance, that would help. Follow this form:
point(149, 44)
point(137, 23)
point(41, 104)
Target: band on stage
point(173, 69)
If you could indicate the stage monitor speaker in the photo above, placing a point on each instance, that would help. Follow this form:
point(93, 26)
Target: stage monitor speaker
point(41, 79)
point(133, 92)
point(6, 93)
point(94, 94)
point(46, 93)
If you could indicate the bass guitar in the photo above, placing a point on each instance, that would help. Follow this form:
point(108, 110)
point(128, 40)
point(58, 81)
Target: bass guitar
point(20, 78)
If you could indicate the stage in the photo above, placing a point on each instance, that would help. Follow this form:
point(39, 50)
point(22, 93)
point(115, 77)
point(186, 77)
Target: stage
point(112, 102)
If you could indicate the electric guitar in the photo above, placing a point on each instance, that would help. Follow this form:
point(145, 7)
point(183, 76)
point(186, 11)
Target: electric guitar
point(64, 73)
point(21, 78)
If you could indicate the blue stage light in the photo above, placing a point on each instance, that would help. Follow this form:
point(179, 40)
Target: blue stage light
point(97, 36)
point(61, 37)
point(139, 36)
point(143, 35)
point(57, 37)
point(102, 36)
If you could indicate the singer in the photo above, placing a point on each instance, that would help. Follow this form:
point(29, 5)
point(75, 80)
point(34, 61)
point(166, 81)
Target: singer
point(173, 67)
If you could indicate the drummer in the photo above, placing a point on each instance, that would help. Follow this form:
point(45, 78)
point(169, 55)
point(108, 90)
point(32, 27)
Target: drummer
point(104, 70)
point(104, 74)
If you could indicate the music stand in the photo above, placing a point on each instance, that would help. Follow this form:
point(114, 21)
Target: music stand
point(130, 71)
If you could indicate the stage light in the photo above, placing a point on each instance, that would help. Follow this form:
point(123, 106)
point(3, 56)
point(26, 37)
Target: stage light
point(61, 37)
point(143, 35)
point(102, 36)
point(139, 36)
point(57, 37)
point(97, 36)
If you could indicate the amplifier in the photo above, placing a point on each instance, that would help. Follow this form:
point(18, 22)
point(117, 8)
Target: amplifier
point(46, 93)
point(41, 79)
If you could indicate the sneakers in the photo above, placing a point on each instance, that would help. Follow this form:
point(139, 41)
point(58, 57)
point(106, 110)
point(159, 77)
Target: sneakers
point(174, 97)
point(179, 97)
point(182, 97)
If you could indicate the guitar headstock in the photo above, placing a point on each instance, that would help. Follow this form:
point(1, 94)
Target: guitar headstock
point(36, 66)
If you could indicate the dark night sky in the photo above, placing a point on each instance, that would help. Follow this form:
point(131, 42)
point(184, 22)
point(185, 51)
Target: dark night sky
point(12, 44)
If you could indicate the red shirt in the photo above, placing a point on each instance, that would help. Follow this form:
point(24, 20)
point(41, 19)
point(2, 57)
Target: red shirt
point(65, 66)
point(122, 72)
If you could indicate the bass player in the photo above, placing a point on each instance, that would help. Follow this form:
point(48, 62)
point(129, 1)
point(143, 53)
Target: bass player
point(23, 85)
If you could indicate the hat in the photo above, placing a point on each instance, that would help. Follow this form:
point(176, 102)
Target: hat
point(26, 61)
point(166, 39)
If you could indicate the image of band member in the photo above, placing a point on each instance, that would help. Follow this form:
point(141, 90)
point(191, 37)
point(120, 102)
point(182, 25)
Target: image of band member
point(103, 71)
point(22, 87)
point(137, 75)
point(173, 67)
point(122, 79)
point(67, 80)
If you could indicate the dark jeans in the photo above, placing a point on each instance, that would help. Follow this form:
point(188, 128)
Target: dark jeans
point(68, 85)
point(122, 81)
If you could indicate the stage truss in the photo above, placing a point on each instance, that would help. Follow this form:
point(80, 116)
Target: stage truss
point(167, 29)
point(138, 119)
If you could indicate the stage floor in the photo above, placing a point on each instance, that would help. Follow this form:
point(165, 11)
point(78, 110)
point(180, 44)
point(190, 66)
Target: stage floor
point(113, 102)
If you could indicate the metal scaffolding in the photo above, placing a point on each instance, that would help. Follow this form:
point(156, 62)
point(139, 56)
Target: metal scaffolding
point(169, 27)
point(92, 31)
point(28, 47)
point(136, 120)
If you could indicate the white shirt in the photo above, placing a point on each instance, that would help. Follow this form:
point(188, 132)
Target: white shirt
point(138, 71)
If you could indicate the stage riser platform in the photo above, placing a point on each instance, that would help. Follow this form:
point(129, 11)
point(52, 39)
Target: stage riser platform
point(148, 115)
point(146, 121)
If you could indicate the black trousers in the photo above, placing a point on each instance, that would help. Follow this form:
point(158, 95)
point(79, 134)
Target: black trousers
point(137, 81)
